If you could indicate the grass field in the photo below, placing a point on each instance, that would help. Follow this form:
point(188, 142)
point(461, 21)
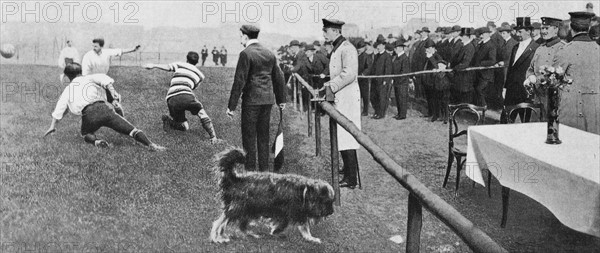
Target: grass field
point(62, 195)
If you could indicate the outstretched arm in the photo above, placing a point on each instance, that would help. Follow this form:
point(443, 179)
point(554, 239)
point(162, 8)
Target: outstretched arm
point(131, 50)
point(164, 67)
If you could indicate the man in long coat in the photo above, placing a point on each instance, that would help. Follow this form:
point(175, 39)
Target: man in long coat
point(580, 103)
point(462, 83)
point(343, 70)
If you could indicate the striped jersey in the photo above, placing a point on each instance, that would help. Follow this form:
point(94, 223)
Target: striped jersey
point(185, 79)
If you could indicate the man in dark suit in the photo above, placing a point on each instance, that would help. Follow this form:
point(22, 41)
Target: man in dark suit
point(536, 33)
point(462, 83)
point(454, 42)
point(381, 66)
point(259, 81)
point(495, 36)
point(418, 63)
point(494, 94)
point(365, 62)
point(400, 65)
point(520, 59)
point(485, 56)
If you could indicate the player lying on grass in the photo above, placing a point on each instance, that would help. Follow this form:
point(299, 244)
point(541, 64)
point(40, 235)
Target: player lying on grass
point(181, 98)
point(86, 96)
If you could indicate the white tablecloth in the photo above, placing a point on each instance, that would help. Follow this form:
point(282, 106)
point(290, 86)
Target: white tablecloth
point(565, 178)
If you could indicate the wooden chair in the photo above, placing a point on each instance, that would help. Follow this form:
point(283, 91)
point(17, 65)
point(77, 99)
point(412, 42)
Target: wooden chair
point(507, 113)
point(455, 153)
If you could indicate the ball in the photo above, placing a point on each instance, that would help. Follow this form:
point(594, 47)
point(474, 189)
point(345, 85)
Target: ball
point(7, 50)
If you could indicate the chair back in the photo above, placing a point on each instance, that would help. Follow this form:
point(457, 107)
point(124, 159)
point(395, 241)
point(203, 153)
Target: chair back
point(536, 108)
point(453, 110)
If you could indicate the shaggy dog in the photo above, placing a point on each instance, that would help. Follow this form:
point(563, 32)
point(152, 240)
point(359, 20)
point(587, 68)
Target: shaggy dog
point(282, 198)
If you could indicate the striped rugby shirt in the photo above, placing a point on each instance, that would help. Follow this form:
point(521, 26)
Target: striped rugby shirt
point(185, 79)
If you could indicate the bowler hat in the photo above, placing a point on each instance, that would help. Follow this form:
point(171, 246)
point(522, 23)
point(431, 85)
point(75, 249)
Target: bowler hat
point(360, 44)
point(429, 43)
point(536, 26)
point(505, 28)
point(400, 43)
point(389, 47)
point(523, 23)
point(491, 23)
point(481, 30)
point(425, 29)
point(317, 43)
point(390, 36)
point(455, 28)
point(294, 43)
point(310, 47)
point(466, 31)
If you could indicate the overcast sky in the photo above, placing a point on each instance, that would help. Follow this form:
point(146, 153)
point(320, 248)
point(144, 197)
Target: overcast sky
point(300, 18)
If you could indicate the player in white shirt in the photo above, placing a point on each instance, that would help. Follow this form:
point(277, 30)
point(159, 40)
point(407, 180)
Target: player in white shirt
point(97, 61)
point(87, 96)
point(181, 98)
point(69, 54)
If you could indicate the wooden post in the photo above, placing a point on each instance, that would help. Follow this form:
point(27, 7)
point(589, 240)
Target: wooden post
point(415, 222)
point(309, 117)
point(300, 100)
point(335, 160)
point(317, 130)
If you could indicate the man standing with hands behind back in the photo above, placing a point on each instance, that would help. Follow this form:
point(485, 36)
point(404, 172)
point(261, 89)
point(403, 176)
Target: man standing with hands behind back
point(259, 81)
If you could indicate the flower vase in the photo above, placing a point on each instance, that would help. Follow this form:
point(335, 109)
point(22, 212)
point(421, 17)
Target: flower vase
point(552, 112)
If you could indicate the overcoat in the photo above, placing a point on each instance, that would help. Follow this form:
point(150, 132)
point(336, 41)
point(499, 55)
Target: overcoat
point(343, 70)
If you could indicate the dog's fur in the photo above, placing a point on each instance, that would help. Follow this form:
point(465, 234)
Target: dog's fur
point(283, 198)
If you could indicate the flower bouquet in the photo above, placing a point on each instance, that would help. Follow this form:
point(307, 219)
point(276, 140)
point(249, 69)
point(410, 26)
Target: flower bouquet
point(552, 80)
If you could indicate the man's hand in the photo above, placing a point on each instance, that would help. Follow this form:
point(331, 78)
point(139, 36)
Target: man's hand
point(149, 66)
point(282, 106)
point(50, 131)
point(322, 76)
point(229, 114)
point(137, 48)
point(503, 92)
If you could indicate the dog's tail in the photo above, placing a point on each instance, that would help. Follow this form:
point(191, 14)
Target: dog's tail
point(228, 159)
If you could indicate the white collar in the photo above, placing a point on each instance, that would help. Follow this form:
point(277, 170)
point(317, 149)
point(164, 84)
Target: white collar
point(486, 40)
point(251, 41)
point(401, 53)
point(466, 42)
point(525, 42)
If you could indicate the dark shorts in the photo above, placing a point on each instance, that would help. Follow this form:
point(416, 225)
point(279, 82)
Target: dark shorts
point(100, 114)
point(178, 104)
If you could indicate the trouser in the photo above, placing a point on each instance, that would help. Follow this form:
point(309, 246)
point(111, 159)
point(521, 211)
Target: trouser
point(440, 103)
point(384, 98)
point(401, 92)
point(363, 84)
point(375, 91)
point(429, 97)
point(100, 114)
point(480, 92)
point(419, 89)
point(350, 168)
point(523, 114)
point(203, 60)
point(181, 103)
point(255, 135)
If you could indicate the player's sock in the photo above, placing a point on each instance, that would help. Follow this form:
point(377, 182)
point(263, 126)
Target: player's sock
point(208, 126)
point(139, 136)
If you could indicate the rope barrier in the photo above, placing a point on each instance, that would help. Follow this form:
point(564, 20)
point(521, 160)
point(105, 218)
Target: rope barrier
point(424, 72)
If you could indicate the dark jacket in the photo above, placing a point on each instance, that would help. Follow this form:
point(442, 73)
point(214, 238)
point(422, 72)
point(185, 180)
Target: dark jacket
point(515, 76)
point(463, 80)
point(382, 66)
point(431, 63)
point(400, 65)
point(258, 79)
point(453, 49)
point(365, 63)
point(419, 58)
point(485, 56)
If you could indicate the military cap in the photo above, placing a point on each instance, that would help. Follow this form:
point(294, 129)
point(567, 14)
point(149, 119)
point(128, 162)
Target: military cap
point(523, 23)
point(481, 30)
point(332, 23)
point(491, 23)
point(536, 26)
point(310, 47)
point(294, 43)
point(455, 28)
point(389, 47)
point(581, 18)
point(466, 31)
point(246, 29)
point(551, 21)
point(316, 43)
point(425, 29)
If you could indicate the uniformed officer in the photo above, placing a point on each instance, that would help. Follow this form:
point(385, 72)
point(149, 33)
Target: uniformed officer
point(343, 69)
point(579, 58)
point(544, 55)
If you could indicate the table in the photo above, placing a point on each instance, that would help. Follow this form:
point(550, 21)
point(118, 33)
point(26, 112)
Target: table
point(565, 178)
